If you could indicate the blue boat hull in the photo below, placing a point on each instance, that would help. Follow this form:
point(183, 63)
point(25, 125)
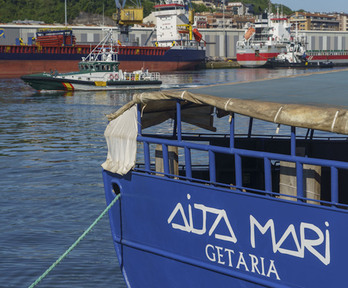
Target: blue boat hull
point(173, 233)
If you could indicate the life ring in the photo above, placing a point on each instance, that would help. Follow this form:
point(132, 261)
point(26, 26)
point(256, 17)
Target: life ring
point(111, 77)
point(116, 76)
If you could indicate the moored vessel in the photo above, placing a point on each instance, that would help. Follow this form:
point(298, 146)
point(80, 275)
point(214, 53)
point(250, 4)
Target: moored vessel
point(295, 57)
point(337, 57)
point(255, 210)
point(98, 71)
point(263, 40)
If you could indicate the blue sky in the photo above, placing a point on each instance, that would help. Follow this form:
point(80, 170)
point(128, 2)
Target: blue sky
point(316, 5)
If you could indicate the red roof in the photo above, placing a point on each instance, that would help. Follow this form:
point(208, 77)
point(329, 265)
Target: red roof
point(169, 5)
point(275, 19)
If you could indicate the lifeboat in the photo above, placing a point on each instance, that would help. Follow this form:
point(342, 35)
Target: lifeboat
point(197, 35)
point(249, 33)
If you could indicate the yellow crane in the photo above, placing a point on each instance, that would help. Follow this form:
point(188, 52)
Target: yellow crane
point(125, 17)
point(187, 28)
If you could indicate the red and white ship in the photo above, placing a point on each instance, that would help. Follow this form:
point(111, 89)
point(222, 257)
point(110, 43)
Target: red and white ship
point(267, 38)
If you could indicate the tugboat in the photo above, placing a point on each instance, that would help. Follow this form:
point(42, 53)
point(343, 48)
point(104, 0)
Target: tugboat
point(295, 57)
point(98, 71)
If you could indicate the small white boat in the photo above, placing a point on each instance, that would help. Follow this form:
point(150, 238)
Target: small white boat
point(98, 71)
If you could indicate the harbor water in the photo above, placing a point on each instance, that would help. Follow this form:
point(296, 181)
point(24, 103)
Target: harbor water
point(51, 149)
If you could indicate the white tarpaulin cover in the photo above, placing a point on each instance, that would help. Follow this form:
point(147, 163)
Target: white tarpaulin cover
point(121, 134)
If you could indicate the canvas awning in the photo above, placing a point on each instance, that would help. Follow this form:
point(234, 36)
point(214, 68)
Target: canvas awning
point(197, 109)
point(156, 108)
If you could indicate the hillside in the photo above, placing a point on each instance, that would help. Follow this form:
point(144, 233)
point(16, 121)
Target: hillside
point(262, 5)
point(52, 11)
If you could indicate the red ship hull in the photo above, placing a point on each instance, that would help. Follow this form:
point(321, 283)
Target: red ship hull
point(16, 61)
point(253, 60)
point(17, 68)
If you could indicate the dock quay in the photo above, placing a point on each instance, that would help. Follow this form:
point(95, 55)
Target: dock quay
point(221, 63)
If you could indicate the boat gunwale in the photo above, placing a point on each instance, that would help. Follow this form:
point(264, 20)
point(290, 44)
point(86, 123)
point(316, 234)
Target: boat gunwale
point(88, 82)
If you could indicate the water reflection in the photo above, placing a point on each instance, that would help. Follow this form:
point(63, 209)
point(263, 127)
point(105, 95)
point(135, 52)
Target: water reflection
point(189, 79)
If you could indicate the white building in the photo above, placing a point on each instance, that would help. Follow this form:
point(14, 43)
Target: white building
point(238, 8)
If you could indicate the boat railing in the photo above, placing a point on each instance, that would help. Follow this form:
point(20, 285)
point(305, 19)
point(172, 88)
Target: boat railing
point(327, 52)
point(145, 76)
point(238, 163)
point(33, 49)
point(155, 76)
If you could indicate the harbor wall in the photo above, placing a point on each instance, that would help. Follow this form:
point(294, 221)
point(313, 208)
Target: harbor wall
point(220, 43)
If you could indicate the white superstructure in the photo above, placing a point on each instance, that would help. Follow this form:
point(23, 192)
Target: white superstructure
point(173, 22)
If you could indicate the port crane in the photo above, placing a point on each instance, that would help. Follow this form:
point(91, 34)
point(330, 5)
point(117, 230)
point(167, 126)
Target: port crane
point(125, 17)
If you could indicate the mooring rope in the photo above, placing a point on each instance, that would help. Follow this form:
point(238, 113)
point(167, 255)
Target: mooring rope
point(75, 243)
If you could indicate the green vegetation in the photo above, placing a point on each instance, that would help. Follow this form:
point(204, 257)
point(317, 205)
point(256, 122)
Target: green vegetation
point(201, 8)
point(52, 11)
point(261, 5)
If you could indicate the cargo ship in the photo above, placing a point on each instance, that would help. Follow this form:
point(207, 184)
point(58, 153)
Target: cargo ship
point(176, 47)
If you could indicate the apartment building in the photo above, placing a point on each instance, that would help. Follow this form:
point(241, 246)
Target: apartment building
point(343, 19)
point(315, 21)
point(239, 8)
